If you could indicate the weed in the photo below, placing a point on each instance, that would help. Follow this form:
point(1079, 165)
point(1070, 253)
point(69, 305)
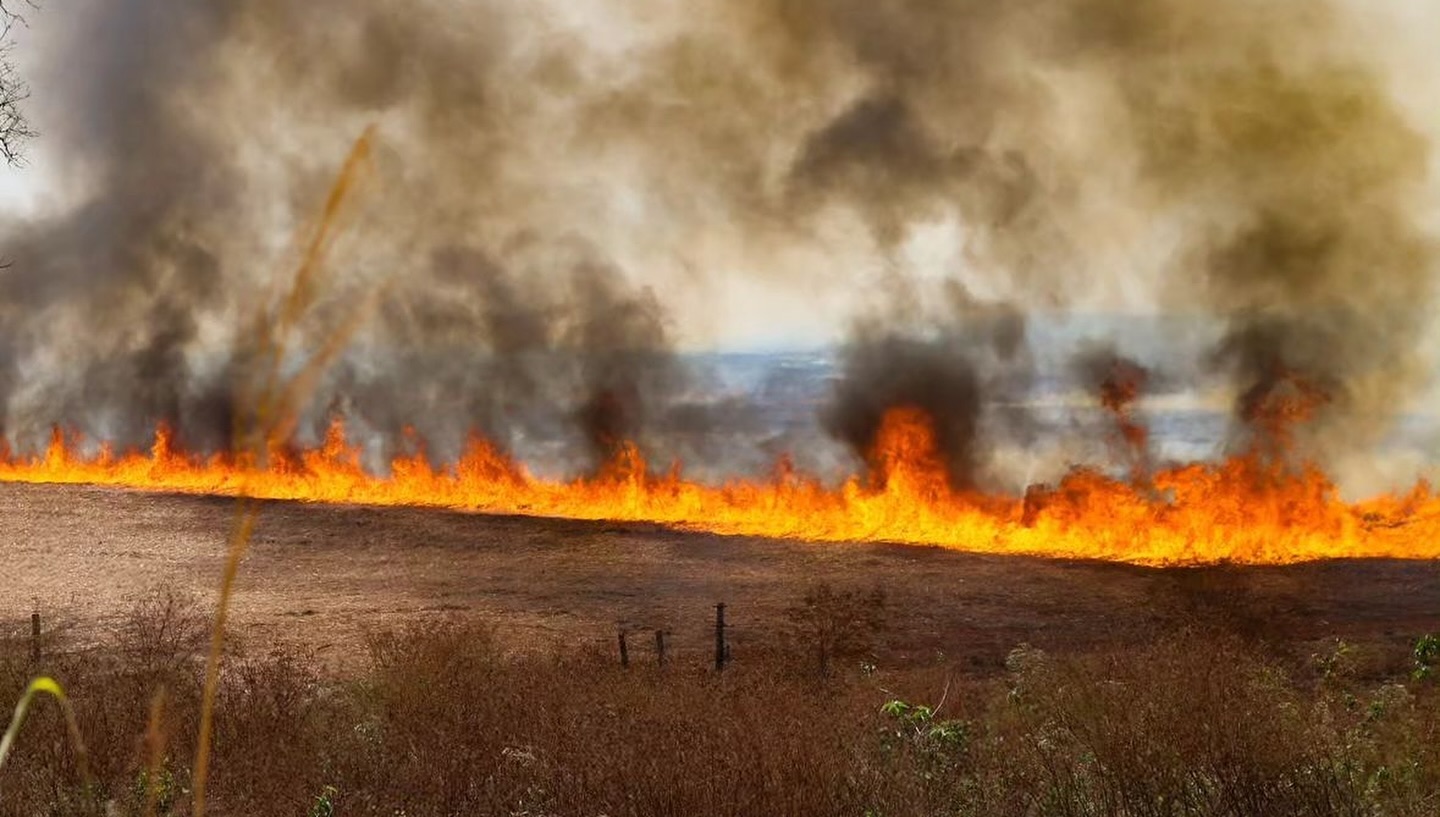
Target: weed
point(1426, 654)
point(324, 805)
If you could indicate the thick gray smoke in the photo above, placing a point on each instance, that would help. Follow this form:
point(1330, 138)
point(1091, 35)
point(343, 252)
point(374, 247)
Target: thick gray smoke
point(1292, 174)
point(1229, 156)
point(134, 306)
point(107, 301)
point(1300, 183)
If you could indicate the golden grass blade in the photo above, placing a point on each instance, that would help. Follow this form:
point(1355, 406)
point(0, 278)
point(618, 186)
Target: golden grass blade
point(277, 401)
point(247, 512)
point(305, 286)
point(155, 741)
point(45, 685)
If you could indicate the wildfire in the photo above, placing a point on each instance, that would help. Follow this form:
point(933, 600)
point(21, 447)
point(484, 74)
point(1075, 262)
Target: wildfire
point(1241, 510)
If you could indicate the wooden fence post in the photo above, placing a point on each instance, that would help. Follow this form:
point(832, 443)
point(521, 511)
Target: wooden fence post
point(660, 647)
point(624, 650)
point(35, 638)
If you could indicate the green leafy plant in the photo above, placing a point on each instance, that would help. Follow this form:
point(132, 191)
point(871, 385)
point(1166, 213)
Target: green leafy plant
point(324, 805)
point(1336, 664)
point(1427, 654)
point(936, 746)
point(921, 726)
point(157, 790)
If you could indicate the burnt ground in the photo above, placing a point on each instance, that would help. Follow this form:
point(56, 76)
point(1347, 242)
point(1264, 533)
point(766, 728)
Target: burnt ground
point(323, 576)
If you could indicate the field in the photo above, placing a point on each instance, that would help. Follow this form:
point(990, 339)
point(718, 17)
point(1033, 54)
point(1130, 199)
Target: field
point(323, 576)
point(394, 661)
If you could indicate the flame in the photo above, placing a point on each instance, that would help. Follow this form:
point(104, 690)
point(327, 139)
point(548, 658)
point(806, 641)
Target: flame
point(1246, 509)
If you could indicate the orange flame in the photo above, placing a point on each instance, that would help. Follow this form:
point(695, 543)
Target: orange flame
point(1241, 510)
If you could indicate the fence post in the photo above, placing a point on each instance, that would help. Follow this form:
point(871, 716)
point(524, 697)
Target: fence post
point(720, 636)
point(660, 647)
point(624, 650)
point(35, 638)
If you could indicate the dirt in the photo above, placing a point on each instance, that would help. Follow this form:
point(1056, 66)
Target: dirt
point(324, 576)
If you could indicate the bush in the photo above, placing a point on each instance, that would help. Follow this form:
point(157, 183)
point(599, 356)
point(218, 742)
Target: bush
point(444, 721)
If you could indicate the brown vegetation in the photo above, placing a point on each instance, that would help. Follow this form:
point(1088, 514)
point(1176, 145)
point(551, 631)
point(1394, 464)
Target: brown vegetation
point(442, 719)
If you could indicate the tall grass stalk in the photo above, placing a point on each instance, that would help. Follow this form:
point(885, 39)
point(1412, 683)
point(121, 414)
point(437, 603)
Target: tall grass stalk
point(277, 405)
point(155, 742)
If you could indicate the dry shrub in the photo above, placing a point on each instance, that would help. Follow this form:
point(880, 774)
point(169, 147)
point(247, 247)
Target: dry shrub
point(156, 648)
point(837, 625)
point(271, 727)
point(162, 633)
point(1184, 727)
point(446, 722)
point(451, 725)
point(431, 722)
point(746, 742)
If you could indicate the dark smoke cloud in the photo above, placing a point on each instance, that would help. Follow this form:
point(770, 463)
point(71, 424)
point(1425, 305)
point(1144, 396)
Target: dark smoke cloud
point(1291, 169)
point(513, 352)
point(192, 134)
point(116, 290)
point(1311, 250)
point(952, 370)
point(1119, 382)
point(141, 294)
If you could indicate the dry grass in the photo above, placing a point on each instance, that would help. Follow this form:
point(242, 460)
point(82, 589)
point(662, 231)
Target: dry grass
point(443, 721)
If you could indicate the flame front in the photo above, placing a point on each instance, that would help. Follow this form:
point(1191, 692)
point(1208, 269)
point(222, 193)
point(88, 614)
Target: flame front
point(1241, 510)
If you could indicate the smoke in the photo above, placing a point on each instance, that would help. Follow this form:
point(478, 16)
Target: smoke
point(949, 365)
point(558, 190)
point(1119, 383)
point(514, 349)
point(115, 293)
point(1276, 154)
point(502, 318)
point(1300, 182)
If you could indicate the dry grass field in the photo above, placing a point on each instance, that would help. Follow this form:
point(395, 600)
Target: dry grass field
point(324, 576)
point(403, 662)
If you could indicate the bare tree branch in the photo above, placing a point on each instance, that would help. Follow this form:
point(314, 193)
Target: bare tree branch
point(15, 129)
